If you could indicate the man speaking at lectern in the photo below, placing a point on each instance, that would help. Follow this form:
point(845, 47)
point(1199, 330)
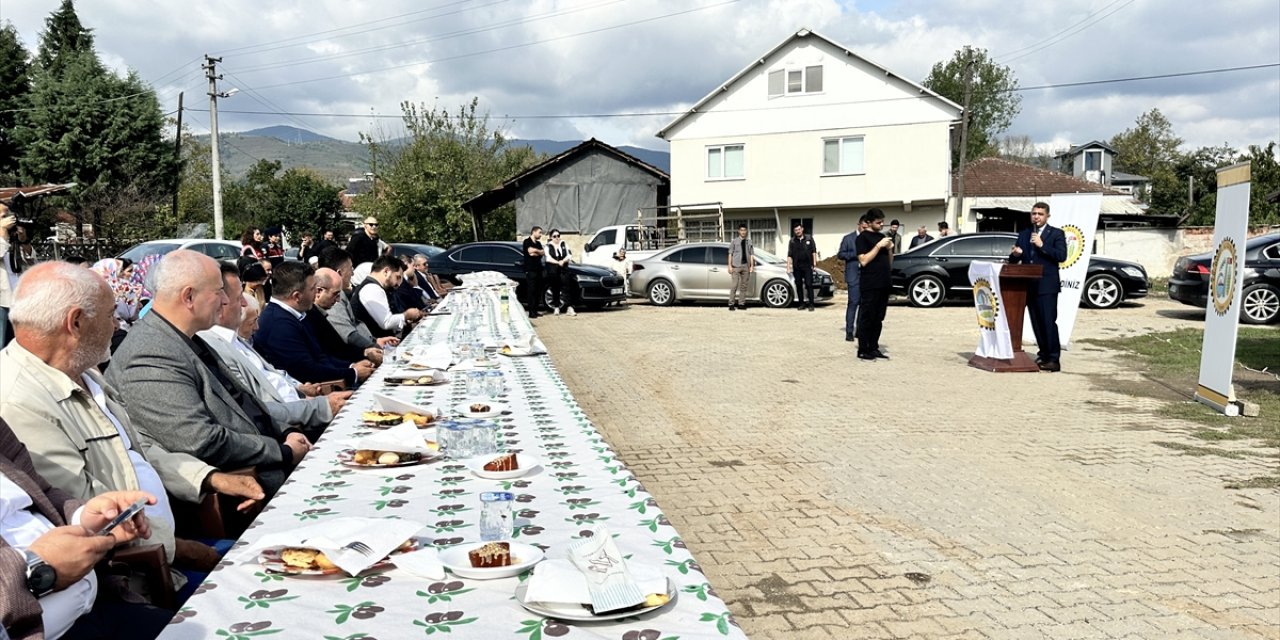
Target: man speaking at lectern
point(1046, 246)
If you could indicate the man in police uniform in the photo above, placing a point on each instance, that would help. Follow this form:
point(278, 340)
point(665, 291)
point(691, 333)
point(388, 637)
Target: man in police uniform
point(802, 256)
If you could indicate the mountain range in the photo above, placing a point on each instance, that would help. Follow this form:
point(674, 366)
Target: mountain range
point(340, 160)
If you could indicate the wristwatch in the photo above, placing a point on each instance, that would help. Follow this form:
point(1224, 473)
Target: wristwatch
point(41, 576)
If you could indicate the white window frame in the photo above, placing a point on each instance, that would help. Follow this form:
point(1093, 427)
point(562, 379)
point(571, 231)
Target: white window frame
point(721, 148)
point(840, 155)
point(804, 80)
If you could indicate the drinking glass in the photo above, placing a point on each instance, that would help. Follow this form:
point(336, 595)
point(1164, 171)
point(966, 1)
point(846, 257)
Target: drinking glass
point(494, 384)
point(475, 383)
point(496, 516)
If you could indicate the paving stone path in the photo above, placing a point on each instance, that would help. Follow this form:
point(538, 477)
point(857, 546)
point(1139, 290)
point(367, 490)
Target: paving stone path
point(918, 497)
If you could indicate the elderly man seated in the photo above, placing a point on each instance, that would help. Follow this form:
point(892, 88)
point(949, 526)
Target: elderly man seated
point(72, 421)
point(339, 313)
point(48, 588)
point(286, 340)
point(283, 402)
point(328, 292)
point(181, 396)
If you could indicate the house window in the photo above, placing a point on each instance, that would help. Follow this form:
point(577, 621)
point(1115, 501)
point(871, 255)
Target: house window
point(795, 81)
point(725, 162)
point(1093, 160)
point(842, 155)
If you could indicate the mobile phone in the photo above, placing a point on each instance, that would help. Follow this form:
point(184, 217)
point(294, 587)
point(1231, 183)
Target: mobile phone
point(123, 517)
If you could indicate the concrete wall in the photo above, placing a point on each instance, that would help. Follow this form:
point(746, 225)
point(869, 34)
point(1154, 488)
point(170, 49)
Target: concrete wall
point(1158, 249)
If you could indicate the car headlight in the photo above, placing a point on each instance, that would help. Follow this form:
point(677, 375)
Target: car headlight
point(588, 280)
point(1134, 271)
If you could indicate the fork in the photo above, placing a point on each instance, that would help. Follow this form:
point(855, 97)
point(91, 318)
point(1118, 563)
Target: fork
point(359, 547)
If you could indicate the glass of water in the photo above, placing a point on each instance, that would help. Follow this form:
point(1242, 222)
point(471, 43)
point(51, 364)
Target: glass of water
point(484, 438)
point(454, 439)
point(388, 355)
point(494, 384)
point(496, 518)
point(475, 383)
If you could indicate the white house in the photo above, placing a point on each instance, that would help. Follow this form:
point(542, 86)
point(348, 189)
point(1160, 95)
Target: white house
point(811, 133)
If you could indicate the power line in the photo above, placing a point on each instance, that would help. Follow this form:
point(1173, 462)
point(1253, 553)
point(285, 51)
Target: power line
point(507, 48)
point(222, 138)
point(435, 38)
point(271, 45)
point(752, 109)
point(1042, 41)
point(1071, 31)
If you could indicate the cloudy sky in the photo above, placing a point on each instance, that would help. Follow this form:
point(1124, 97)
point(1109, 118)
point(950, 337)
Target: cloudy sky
point(540, 66)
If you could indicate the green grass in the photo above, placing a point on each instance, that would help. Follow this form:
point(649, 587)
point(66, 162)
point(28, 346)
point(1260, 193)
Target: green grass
point(1159, 287)
point(1173, 360)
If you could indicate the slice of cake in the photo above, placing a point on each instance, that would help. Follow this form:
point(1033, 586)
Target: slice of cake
point(493, 554)
point(480, 407)
point(504, 462)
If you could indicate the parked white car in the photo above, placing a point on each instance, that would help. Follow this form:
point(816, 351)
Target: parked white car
point(216, 249)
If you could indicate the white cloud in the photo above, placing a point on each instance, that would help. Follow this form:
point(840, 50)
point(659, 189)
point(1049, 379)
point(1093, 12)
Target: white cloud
point(667, 64)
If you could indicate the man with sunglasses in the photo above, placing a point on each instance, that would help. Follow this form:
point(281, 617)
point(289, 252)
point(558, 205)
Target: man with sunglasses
point(363, 246)
point(564, 287)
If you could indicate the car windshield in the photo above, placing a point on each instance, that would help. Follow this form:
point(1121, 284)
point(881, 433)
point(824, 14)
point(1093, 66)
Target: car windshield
point(139, 251)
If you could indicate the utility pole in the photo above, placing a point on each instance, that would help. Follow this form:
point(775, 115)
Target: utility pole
point(177, 158)
point(964, 134)
point(210, 68)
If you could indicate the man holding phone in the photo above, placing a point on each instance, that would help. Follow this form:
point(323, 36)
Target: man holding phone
point(48, 550)
point(1046, 246)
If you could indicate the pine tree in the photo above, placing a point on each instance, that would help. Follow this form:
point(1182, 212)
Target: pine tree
point(15, 85)
point(63, 36)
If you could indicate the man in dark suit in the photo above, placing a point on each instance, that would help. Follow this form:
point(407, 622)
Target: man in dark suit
point(47, 584)
point(1046, 246)
point(179, 393)
point(328, 291)
point(287, 341)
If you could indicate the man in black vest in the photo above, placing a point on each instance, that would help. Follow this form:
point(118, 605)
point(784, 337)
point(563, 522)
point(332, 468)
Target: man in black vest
point(374, 301)
point(802, 256)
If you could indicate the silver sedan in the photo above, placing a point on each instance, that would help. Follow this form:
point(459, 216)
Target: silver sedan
point(699, 271)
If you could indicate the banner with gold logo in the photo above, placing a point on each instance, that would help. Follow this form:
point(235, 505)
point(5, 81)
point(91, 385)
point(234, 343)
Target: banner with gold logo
point(993, 324)
point(1226, 278)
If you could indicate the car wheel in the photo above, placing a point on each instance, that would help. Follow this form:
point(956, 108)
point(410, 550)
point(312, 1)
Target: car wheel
point(926, 291)
point(776, 294)
point(1260, 304)
point(1102, 292)
point(662, 293)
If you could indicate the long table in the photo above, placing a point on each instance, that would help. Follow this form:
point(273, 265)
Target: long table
point(582, 482)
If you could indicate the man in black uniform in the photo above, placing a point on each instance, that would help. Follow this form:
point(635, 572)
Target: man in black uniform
point(802, 255)
point(875, 255)
point(533, 253)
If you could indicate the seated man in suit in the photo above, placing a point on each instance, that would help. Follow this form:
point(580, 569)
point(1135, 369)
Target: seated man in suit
point(71, 420)
point(375, 304)
point(286, 340)
point(328, 291)
point(48, 552)
point(181, 396)
point(410, 294)
point(340, 314)
point(285, 404)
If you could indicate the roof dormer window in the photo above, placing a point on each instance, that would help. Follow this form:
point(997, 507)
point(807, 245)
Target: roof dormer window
point(795, 81)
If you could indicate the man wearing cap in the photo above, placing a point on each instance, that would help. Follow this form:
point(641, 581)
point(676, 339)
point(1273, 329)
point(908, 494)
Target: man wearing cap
point(363, 246)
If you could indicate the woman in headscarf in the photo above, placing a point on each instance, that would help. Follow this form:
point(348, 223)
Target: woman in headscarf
point(119, 275)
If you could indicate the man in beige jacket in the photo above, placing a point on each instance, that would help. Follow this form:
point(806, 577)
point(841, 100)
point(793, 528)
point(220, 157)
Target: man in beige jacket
point(75, 426)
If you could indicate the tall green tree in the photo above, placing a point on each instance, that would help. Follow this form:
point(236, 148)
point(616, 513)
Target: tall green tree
point(1265, 172)
point(63, 37)
point(1150, 148)
point(15, 85)
point(447, 159)
point(89, 126)
point(297, 200)
point(993, 98)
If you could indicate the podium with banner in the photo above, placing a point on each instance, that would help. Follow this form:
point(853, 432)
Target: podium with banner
point(1000, 299)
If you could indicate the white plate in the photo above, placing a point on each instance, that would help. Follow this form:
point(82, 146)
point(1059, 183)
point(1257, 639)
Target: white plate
point(476, 465)
point(580, 613)
point(455, 559)
point(518, 352)
point(495, 409)
point(346, 459)
point(270, 560)
point(487, 363)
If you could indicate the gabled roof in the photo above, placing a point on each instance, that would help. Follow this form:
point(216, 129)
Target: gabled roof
point(995, 177)
point(1080, 147)
point(772, 53)
point(506, 192)
point(1120, 176)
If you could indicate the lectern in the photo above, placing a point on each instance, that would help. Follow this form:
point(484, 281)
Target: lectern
point(1015, 281)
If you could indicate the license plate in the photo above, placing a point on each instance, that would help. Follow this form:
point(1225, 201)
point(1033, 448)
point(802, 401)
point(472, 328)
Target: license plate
point(615, 292)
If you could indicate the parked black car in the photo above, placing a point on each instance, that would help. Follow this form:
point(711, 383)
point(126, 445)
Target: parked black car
point(1260, 298)
point(400, 249)
point(933, 272)
point(598, 286)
